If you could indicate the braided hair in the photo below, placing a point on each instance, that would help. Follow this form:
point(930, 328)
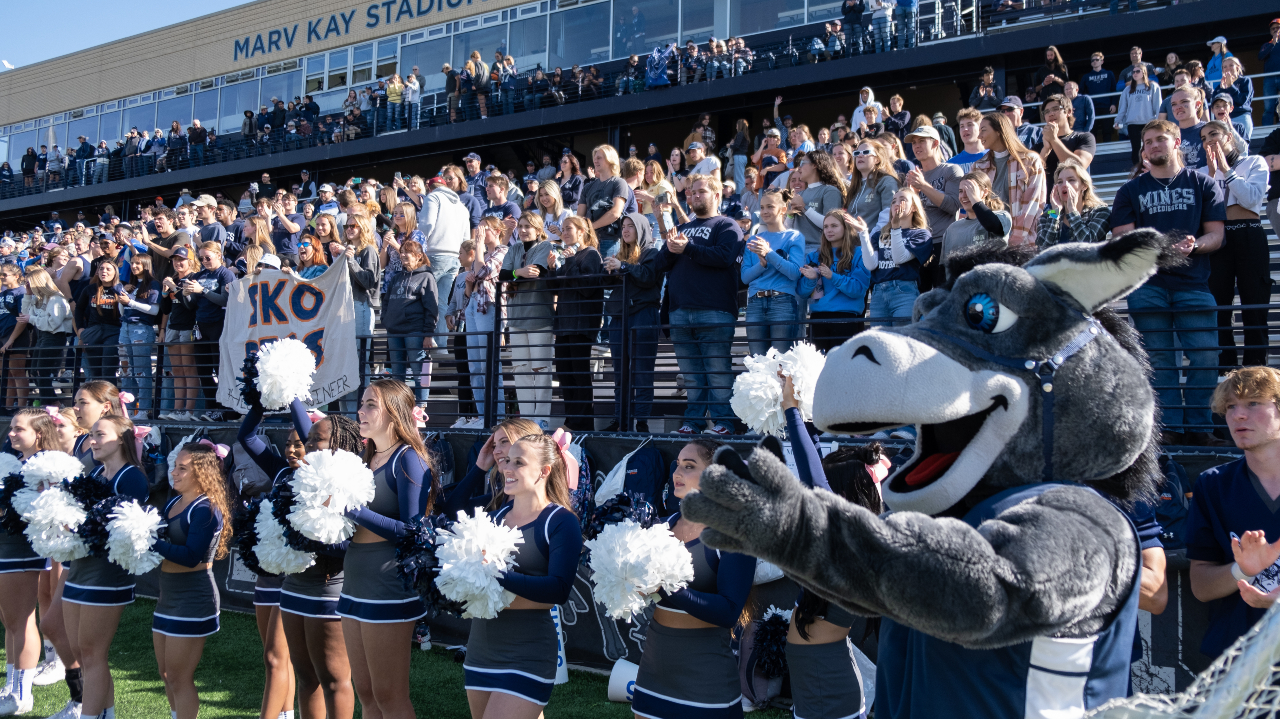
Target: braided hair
point(846, 471)
point(345, 434)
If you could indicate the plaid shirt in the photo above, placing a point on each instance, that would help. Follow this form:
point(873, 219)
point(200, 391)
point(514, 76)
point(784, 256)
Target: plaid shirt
point(1090, 226)
point(1026, 194)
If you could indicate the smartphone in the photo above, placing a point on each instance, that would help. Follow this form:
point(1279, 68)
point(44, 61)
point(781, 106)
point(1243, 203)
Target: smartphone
point(357, 181)
point(664, 199)
point(399, 176)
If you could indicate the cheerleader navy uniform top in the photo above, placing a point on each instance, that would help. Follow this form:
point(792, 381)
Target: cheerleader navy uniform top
point(721, 583)
point(84, 453)
point(314, 591)
point(98, 581)
point(188, 604)
point(372, 589)
point(516, 653)
point(16, 554)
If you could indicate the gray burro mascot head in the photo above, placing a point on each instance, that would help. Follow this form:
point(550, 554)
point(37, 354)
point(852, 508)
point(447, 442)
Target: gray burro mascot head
point(1006, 571)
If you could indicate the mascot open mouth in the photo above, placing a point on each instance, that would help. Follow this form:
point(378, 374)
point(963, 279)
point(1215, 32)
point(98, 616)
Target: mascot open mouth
point(938, 445)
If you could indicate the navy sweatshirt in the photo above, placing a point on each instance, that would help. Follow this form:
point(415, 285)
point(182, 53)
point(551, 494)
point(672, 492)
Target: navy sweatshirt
point(705, 275)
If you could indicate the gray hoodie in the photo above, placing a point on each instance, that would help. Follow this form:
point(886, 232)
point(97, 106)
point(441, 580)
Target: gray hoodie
point(531, 305)
point(444, 221)
point(644, 281)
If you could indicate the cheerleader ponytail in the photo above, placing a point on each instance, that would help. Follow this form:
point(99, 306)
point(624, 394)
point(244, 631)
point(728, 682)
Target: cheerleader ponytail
point(547, 452)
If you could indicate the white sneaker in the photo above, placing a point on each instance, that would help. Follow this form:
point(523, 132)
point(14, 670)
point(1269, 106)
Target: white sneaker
point(71, 710)
point(212, 416)
point(48, 673)
point(141, 415)
point(11, 705)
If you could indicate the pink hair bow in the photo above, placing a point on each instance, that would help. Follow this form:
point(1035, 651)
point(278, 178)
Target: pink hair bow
point(562, 439)
point(420, 416)
point(220, 450)
point(879, 471)
point(140, 433)
point(125, 399)
point(53, 414)
point(315, 416)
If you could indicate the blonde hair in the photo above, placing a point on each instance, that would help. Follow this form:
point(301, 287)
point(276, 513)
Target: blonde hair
point(1088, 198)
point(547, 452)
point(534, 221)
point(553, 190)
point(42, 285)
point(610, 157)
point(711, 181)
point(588, 233)
point(366, 237)
point(918, 218)
point(1248, 383)
point(514, 429)
point(991, 199)
point(410, 217)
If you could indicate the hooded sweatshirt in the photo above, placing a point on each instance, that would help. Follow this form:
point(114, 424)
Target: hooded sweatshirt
point(410, 305)
point(862, 106)
point(644, 276)
point(444, 221)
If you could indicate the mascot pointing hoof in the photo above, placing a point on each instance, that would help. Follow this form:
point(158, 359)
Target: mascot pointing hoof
point(1006, 573)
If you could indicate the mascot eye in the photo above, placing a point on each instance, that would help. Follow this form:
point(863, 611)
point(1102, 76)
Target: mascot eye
point(983, 313)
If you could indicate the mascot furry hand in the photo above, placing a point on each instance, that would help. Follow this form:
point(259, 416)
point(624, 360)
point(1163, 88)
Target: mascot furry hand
point(1007, 582)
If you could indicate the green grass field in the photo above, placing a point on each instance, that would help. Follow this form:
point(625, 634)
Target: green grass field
point(230, 678)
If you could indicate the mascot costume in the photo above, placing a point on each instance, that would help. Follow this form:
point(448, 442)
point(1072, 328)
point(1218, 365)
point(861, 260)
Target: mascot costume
point(1006, 575)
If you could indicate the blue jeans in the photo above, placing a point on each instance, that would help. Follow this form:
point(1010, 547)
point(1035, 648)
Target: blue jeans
point(478, 352)
point(403, 353)
point(1181, 405)
point(893, 299)
point(138, 341)
point(702, 353)
point(508, 102)
point(364, 330)
point(782, 315)
point(881, 36)
point(853, 38)
point(642, 353)
point(1270, 86)
point(444, 268)
point(396, 110)
point(739, 169)
point(906, 18)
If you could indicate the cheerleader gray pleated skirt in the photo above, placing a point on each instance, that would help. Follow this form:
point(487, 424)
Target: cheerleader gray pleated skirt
point(825, 682)
point(266, 590)
point(312, 593)
point(188, 605)
point(372, 590)
point(687, 673)
point(98, 581)
point(17, 556)
point(515, 653)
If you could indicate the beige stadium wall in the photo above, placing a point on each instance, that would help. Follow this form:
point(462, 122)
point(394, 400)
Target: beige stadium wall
point(207, 47)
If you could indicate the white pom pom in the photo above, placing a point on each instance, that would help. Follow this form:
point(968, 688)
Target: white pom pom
point(339, 478)
point(9, 465)
point(50, 467)
point(766, 573)
point(630, 563)
point(775, 610)
point(757, 399)
point(473, 554)
point(274, 555)
point(51, 526)
point(23, 499)
point(131, 532)
point(803, 363)
point(285, 368)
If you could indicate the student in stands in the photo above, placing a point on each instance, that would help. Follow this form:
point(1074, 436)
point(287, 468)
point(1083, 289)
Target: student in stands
point(824, 191)
point(1233, 530)
point(1074, 212)
point(209, 289)
point(835, 281)
point(983, 217)
point(1061, 142)
point(579, 307)
point(1188, 107)
point(873, 185)
point(968, 120)
point(896, 256)
point(639, 259)
point(1139, 104)
point(1007, 157)
point(938, 184)
point(771, 269)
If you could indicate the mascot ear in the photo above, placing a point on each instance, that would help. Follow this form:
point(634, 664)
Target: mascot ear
point(1096, 274)
point(927, 302)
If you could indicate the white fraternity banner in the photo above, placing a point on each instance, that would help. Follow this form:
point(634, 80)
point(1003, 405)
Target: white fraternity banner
point(275, 304)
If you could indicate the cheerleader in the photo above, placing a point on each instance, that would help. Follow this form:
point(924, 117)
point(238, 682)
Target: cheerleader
point(93, 401)
point(308, 605)
point(60, 662)
point(187, 610)
point(31, 431)
point(511, 659)
point(688, 669)
point(474, 490)
point(378, 613)
point(825, 680)
point(278, 690)
point(96, 589)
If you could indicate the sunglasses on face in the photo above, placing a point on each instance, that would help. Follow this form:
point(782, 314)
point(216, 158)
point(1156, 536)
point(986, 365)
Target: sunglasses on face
point(351, 227)
point(304, 244)
point(861, 153)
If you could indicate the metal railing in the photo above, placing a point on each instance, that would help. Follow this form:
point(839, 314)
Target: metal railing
point(478, 377)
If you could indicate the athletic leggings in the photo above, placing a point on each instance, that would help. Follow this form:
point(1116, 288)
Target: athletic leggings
point(1242, 263)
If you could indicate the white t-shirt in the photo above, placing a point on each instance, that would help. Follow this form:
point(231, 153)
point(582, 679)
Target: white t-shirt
point(552, 223)
point(709, 165)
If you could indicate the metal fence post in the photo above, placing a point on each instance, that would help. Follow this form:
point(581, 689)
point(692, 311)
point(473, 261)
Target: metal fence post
point(627, 366)
point(493, 364)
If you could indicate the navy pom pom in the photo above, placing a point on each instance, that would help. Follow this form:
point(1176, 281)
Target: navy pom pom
point(93, 531)
point(626, 505)
point(771, 645)
point(418, 566)
point(10, 520)
point(281, 505)
point(249, 381)
point(244, 520)
point(89, 491)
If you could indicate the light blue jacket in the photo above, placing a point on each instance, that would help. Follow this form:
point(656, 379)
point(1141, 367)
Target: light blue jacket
point(779, 273)
point(842, 292)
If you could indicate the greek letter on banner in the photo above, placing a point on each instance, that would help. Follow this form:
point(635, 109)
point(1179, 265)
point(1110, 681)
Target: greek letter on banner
point(275, 304)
